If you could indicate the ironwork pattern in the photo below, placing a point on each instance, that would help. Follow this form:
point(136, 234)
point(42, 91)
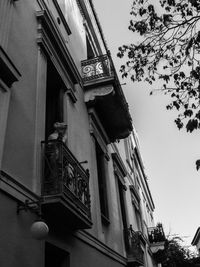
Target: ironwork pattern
point(63, 174)
point(96, 68)
point(156, 234)
point(133, 245)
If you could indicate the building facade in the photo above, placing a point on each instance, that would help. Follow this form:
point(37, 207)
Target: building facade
point(62, 110)
point(140, 206)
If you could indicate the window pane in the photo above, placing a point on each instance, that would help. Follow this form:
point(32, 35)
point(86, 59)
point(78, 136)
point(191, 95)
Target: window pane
point(101, 171)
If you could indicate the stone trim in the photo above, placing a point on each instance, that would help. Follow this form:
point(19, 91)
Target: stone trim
point(15, 189)
point(9, 73)
point(51, 41)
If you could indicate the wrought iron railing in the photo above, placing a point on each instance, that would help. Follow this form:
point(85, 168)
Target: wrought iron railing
point(64, 175)
point(96, 68)
point(133, 245)
point(156, 234)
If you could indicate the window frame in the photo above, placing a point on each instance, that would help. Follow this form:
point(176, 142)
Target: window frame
point(102, 183)
point(101, 140)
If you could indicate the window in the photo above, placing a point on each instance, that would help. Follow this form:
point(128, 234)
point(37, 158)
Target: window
point(136, 208)
point(122, 203)
point(120, 173)
point(56, 257)
point(138, 219)
point(90, 52)
point(100, 145)
point(101, 172)
point(70, 12)
point(54, 99)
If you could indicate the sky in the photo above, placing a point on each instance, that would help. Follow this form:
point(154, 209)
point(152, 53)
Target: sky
point(169, 154)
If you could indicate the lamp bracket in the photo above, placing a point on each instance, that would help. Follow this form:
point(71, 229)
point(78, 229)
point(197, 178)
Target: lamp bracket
point(28, 205)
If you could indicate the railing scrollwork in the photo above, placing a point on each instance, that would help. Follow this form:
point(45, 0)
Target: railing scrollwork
point(96, 68)
point(63, 174)
point(133, 245)
point(156, 234)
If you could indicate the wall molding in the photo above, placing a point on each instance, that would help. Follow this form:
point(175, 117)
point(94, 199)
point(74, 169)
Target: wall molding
point(86, 237)
point(15, 189)
point(51, 41)
point(9, 73)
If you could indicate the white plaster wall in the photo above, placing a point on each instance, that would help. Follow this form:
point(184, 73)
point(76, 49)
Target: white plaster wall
point(18, 157)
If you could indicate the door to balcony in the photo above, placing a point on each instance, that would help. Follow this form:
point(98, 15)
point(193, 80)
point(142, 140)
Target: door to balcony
point(56, 257)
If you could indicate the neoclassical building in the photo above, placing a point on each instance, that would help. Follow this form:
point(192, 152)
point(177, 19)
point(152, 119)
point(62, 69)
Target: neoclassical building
point(62, 109)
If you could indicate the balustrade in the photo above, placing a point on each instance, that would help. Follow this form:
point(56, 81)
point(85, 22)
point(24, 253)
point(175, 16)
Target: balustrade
point(156, 234)
point(96, 68)
point(133, 245)
point(64, 175)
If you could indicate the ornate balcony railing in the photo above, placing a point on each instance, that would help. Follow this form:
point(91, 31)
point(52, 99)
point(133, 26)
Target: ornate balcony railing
point(133, 246)
point(64, 175)
point(156, 234)
point(96, 68)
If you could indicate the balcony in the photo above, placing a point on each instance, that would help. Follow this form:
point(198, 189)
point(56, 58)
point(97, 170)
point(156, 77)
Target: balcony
point(156, 238)
point(65, 187)
point(135, 254)
point(103, 91)
point(97, 70)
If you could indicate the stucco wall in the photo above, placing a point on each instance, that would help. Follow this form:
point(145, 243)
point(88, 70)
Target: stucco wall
point(86, 254)
point(17, 247)
point(26, 127)
point(18, 158)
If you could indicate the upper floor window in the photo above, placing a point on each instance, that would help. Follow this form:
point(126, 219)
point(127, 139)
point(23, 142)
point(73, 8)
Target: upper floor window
point(122, 203)
point(101, 172)
point(120, 172)
point(71, 12)
point(102, 158)
point(136, 210)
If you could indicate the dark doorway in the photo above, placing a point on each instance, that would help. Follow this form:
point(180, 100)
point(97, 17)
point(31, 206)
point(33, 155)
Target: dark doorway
point(54, 98)
point(56, 257)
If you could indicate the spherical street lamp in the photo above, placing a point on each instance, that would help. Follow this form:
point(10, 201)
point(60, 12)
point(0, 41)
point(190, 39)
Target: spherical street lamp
point(39, 230)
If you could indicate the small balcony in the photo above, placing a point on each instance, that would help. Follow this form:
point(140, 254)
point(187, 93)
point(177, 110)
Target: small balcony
point(103, 91)
point(135, 254)
point(97, 70)
point(65, 187)
point(156, 238)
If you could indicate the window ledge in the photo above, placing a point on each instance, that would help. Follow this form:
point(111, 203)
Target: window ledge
point(9, 73)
